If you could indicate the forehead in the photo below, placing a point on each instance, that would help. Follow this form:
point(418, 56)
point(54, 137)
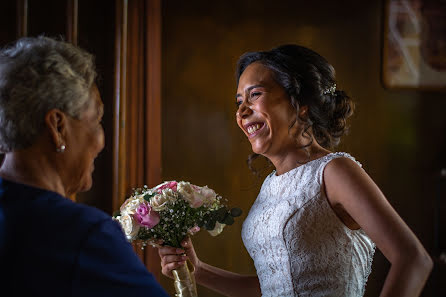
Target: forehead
point(255, 74)
point(95, 95)
point(94, 105)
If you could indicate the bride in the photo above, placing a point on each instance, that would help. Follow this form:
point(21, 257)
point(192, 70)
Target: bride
point(313, 228)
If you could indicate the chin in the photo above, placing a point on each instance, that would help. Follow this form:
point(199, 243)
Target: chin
point(260, 150)
point(256, 150)
point(86, 185)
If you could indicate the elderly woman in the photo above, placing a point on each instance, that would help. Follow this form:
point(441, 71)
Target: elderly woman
point(51, 132)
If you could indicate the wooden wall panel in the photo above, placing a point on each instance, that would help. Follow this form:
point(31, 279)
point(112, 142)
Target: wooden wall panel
point(72, 21)
point(8, 21)
point(152, 85)
point(96, 23)
point(136, 139)
point(153, 131)
point(47, 17)
point(22, 18)
point(120, 182)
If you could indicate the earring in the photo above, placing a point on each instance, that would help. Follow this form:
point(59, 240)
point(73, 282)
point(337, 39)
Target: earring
point(61, 148)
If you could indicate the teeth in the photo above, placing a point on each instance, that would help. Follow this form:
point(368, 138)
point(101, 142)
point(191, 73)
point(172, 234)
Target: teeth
point(253, 128)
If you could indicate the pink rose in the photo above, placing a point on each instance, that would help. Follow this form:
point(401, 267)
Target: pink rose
point(168, 185)
point(145, 216)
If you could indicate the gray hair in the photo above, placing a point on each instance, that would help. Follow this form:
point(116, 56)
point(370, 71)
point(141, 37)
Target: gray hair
point(38, 74)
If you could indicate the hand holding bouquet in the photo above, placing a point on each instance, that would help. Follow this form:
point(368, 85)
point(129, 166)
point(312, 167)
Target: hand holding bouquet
point(171, 211)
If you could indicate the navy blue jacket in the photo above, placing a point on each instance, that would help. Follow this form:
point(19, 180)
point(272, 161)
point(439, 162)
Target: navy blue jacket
point(51, 246)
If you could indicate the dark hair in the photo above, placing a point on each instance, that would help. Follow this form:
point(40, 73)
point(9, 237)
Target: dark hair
point(308, 79)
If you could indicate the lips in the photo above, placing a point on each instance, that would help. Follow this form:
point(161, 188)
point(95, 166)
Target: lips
point(253, 128)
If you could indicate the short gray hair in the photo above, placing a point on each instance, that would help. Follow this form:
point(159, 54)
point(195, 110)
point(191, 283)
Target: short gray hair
point(38, 74)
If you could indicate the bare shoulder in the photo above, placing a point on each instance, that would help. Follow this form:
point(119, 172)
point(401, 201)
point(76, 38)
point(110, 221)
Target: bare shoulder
point(344, 179)
point(342, 167)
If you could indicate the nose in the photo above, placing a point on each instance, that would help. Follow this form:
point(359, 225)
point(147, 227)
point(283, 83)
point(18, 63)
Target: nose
point(244, 110)
point(101, 140)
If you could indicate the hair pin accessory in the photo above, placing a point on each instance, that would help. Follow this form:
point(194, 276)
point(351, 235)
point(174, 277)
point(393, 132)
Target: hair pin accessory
point(331, 89)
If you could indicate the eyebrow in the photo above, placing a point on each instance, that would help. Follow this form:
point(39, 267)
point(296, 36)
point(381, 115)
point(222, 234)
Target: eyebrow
point(247, 90)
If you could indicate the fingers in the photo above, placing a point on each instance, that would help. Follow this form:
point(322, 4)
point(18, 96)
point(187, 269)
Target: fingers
point(166, 260)
point(167, 269)
point(190, 251)
point(187, 245)
point(168, 250)
point(171, 258)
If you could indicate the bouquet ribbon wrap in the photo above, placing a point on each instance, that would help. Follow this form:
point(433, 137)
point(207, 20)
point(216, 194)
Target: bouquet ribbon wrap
point(184, 280)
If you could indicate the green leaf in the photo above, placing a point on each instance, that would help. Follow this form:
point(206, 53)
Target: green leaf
point(116, 213)
point(221, 213)
point(236, 212)
point(210, 225)
point(229, 220)
point(200, 223)
point(148, 196)
point(222, 220)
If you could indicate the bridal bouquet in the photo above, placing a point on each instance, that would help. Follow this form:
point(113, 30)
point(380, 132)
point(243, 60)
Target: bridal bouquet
point(171, 211)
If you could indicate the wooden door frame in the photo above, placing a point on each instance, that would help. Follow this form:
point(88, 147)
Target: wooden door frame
point(137, 120)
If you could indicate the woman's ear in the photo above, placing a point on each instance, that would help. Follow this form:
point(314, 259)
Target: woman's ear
point(303, 112)
point(56, 123)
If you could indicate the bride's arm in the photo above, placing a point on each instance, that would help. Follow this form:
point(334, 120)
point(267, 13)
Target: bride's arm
point(349, 187)
point(222, 281)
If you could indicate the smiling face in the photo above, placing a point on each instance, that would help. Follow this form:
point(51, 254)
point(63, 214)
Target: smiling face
point(265, 112)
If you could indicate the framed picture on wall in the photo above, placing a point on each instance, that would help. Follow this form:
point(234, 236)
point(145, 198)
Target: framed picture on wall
point(414, 47)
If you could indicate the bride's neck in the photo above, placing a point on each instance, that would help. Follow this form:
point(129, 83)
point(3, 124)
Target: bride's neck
point(297, 157)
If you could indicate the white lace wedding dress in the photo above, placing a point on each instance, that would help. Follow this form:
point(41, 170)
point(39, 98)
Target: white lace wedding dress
point(298, 244)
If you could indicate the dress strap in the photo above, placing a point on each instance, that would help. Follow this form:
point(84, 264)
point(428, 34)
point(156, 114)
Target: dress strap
point(326, 159)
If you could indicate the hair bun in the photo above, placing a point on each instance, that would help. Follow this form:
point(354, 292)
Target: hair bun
point(338, 108)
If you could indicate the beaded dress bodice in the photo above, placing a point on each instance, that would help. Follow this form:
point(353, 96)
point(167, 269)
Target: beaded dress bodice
point(298, 244)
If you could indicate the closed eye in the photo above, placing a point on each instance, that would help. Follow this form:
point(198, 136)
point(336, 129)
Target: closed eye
point(254, 95)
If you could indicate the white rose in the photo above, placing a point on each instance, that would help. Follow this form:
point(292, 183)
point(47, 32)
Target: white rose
point(129, 226)
point(131, 204)
point(217, 230)
point(209, 195)
point(184, 188)
point(190, 194)
point(159, 201)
